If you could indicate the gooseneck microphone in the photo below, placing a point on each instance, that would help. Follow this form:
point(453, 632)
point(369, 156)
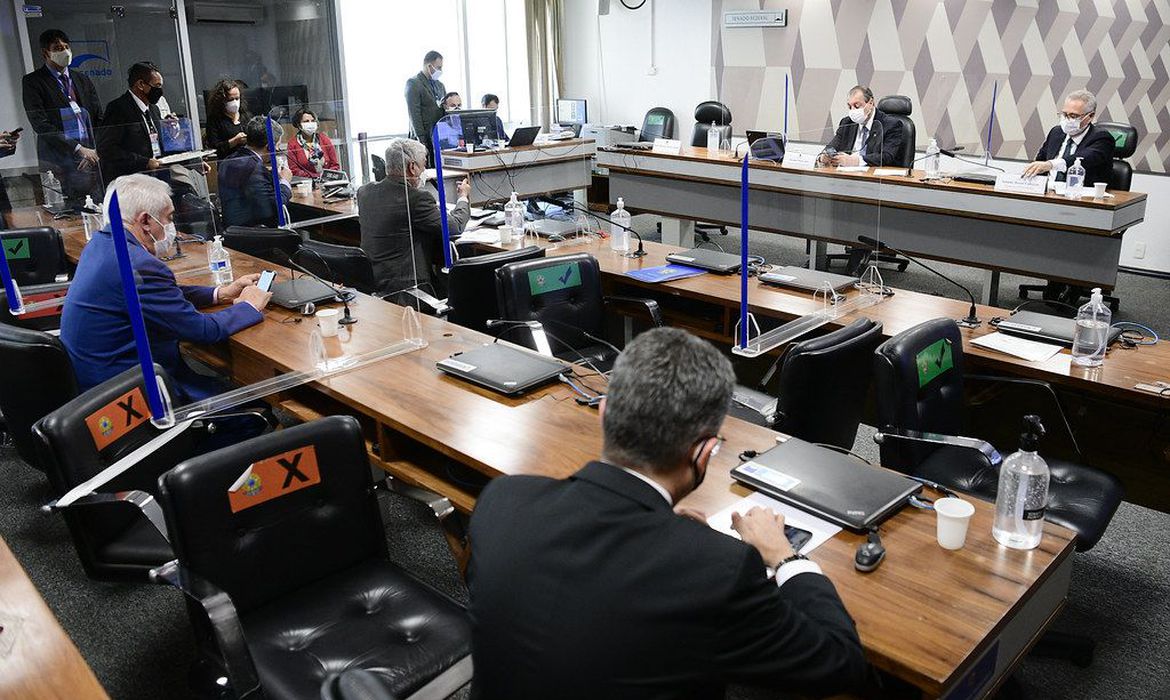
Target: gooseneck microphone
point(972, 319)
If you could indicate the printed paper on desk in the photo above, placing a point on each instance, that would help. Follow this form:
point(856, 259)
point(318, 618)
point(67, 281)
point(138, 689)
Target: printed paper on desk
point(670, 147)
point(1010, 182)
point(799, 161)
point(852, 168)
point(891, 172)
point(481, 235)
point(1030, 350)
point(821, 530)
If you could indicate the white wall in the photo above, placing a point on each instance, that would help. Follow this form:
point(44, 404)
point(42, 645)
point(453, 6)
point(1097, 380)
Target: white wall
point(612, 73)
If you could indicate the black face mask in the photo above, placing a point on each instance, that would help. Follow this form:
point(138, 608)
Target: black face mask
point(154, 95)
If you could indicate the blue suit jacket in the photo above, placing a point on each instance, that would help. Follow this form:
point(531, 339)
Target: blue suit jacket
point(245, 190)
point(95, 325)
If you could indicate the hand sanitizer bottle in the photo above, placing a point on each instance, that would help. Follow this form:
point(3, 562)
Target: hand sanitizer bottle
point(90, 219)
point(219, 261)
point(932, 160)
point(1092, 332)
point(1075, 180)
point(713, 139)
point(513, 219)
point(619, 235)
point(1023, 492)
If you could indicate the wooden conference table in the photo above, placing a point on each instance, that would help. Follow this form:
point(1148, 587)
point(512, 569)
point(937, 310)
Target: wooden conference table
point(1045, 236)
point(949, 623)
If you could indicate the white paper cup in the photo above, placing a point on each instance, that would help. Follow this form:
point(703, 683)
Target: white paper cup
point(954, 515)
point(327, 320)
point(505, 234)
point(1099, 189)
point(305, 188)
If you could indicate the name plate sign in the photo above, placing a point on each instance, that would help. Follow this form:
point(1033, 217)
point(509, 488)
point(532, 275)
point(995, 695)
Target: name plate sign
point(1007, 182)
point(668, 146)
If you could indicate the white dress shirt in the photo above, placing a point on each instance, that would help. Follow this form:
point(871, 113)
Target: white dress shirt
point(1059, 165)
point(867, 129)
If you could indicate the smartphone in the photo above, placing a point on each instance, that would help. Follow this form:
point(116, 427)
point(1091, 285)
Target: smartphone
point(266, 278)
point(17, 130)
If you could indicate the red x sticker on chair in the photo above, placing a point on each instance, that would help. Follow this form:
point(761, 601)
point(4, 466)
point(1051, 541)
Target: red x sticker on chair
point(275, 477)
point(117, 418)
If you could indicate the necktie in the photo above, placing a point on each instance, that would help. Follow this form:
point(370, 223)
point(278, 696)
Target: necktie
point(66, 85)
point(1068, 147)
point(864, 141)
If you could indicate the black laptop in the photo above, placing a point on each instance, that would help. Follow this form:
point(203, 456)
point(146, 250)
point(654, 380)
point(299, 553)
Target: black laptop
point(1045, 328)
point(524, 136)
point(807, 280)
point(713, 260)
point(503, 368)
point(826, 483)
point(294, 294)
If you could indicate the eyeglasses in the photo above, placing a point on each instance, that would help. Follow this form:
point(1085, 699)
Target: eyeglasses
point(1070, 115)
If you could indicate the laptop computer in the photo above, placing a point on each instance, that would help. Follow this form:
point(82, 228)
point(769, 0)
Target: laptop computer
point(766, 145)
point(976, 177)
point(503, 368)
point(524, 136)
point(1045, 328)
point(805, 279)
point(712, 260)
point(826, 483)
point(294, 294)
point(553, 227)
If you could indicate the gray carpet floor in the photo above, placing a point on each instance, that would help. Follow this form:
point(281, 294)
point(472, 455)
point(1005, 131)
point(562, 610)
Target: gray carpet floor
point(137, 639)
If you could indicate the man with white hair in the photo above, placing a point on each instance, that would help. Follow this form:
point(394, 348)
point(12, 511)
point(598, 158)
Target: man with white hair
point(401, 226)
point(95, 322)
point(1076, 137)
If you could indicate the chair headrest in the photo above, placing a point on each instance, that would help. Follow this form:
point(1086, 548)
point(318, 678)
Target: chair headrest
point(896, 104)
point(712, 111)
point(1125, 138)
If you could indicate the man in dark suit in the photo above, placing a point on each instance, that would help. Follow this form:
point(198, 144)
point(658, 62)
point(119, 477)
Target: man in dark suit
point(401, 225)
point(1076, 137)
point(63, 108)
point(95, 325)
point(7, 147)
point(595, 587)
point(246, 193)
point(866, 135)
point(423, 95)
point(130, 140)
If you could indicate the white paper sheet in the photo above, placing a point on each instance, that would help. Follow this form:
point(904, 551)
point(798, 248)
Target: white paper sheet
point(481, 235)
point(890, 172)
point(821, 530)
point(1030, 350)
point(852, 168)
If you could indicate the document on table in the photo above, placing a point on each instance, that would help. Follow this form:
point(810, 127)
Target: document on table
point(481, 235)
point(1030, 350)
point(821, 530)
point(891, 172)
point(852, 168)
point(662, 273)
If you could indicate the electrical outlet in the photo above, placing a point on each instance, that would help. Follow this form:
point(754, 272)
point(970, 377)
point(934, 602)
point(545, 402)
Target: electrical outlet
point(1139, 251)
point(652, 70)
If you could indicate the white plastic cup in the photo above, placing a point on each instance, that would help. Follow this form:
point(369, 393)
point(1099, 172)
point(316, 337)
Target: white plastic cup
point(505, 234)
point(327, 320)
point(305, 188)
point(1099, 190)
point(954, 515)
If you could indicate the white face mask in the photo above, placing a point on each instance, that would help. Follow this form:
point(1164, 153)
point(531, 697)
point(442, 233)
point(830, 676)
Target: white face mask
point(1071, 127)
point(438, 73)
point(61, 58)
point(165, 248)
point(309, 128)
point(857, 115)
point(232, 106)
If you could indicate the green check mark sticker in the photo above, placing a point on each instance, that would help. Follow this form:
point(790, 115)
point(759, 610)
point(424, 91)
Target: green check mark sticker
point(16, 248)
point(934, 361)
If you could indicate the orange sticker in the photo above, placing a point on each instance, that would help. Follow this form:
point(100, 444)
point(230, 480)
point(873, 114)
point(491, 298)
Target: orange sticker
point(275, 477)
point(50, 311)
point(118, 417)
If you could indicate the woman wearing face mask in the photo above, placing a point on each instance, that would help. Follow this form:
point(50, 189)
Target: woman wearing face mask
point(310, 152)
point(226, 116)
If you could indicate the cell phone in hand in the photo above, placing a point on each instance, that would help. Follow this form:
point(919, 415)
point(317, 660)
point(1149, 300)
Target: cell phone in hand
point(16, 131)
point(265, 281)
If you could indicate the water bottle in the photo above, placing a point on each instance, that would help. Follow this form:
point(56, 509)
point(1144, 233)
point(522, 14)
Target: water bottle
point(1023, 492)
point(90, 219)
point(1092, 331)
point(513, 219)
point(713, 139)
point(1075, 180)
point(219, 262)
point(619, 237)
point(932, 159)
point(52, 189)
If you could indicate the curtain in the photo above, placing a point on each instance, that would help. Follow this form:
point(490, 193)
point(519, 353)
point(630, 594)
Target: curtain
point(545, 66)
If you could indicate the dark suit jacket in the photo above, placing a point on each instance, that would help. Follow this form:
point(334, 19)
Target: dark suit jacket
point(245, 190)
point(219, 131)
point(422, 104)
point(43, 102)
point(95, 327)
point(387, 227)
point(592, 587)
point(1095, 152)
point(885, 139)
point(123, 140)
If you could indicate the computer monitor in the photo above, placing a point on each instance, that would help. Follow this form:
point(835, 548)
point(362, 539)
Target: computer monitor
point(478, 124)
point(571, 112)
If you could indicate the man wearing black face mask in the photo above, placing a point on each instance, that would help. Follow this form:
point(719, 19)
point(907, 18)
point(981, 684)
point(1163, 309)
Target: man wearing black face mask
point(130, 138)
point(597, 586)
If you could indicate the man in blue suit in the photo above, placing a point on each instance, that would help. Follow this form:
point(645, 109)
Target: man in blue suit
point(245, 181)
point(95, 323)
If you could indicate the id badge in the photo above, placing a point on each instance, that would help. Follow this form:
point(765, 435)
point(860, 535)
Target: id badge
point(75, 107)
point(154, 147)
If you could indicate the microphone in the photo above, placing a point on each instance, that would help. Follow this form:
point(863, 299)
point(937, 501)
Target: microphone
point(943, 151)
point(971, 321)
point(640, 252)
point(343, 295)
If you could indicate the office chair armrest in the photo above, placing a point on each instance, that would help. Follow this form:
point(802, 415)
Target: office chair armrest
point(225, 625)
point(440, 505)
point(650, 306)
point(1047, 388)
point(143, 501)
point(983, 447)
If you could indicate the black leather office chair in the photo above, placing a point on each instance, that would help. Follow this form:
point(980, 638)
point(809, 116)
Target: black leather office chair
point(571, 310)
point(35, 255)
point(288, 576)
point(1125, 138)
point(706, 113)
point(43, 320)
point(341, 264)
point(917, 420)
point(271, 244)
point(822, 389)
point(471, 286)
point(659, 123)
point(37, 378)
point(378, 168)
